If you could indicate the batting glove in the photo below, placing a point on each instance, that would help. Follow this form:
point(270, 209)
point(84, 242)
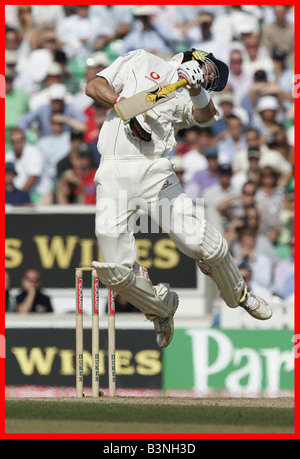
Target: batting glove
point(138, 128)
point(192, 73)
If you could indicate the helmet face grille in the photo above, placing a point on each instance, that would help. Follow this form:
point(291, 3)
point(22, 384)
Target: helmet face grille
point(210, 69)
point(212, 74)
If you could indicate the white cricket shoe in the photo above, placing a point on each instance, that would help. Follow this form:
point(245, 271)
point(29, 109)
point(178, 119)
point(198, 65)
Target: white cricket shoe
point(256, 306)
point(164, 326)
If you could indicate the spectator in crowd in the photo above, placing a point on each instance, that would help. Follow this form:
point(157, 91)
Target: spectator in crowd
point(66, 188)
point(269, 14)
point(68, 162)
point(76, 185)
point(204, 178)
point(53, 76)
point(13, 195)
point(234, 207)
point(43, 16)
point(73, 119)
point(205, 37)
point(47, 16)
point(216, 195)
point(117, 17)
point(54, 147)
point(248, 162)
point(25, 26)
point(195, 160)
point(150, 33)
point(261, 265)
point(243, 23)
point(252, 217)
point(253, 171)
point(259, 86)
point(94, 64)
point(275, 160)
point(85, 170)
point(262, 86)
point(33, 63)
point(269, 201)
point(248, 195)
point(79, 31)
point(226, 103)
point(249, 101)
point(285, 272)
point(256, 57)
point(187, 139)
point(190, 13)
point(16, 105)
point(190, 28)
point(253, 143)
point(31, 298)
point(284, 74)
point(238, 79)
point(30, 168)
point(250, 220)
point(12, 41)
point(279, 33)
point(279, 142)
point(231, 141)
point(96, 115)
point(286, 220)
point(268, 113)
point(175, 16)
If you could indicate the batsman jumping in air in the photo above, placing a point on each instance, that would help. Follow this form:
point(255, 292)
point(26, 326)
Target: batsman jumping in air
point(134, 168)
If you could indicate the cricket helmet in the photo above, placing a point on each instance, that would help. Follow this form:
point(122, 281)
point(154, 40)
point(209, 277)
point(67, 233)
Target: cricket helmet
point(216, 71)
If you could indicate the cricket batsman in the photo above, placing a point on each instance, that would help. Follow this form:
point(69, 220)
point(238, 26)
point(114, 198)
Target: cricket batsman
point(134, 169)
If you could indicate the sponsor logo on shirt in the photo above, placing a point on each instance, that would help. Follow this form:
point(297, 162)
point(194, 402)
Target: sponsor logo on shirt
point(153, 77)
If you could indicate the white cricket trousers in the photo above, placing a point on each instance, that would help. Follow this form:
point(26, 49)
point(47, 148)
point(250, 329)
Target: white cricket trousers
point(127, 185)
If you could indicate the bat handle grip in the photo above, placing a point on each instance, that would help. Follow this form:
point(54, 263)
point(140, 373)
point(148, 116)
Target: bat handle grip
point(180, 83)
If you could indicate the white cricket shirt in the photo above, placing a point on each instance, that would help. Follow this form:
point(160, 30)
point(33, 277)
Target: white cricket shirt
point(128, 75)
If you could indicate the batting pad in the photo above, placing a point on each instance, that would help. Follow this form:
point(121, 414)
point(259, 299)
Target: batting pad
point(218, 263)
point(135, 287)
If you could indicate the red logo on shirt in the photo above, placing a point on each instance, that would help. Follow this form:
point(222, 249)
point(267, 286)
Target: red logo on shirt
point(155, 76)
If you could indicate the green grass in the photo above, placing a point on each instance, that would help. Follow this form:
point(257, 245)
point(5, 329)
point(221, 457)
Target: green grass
point(149, 415)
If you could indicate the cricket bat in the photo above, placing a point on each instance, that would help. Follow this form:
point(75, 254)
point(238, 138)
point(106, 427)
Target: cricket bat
point(145, 100)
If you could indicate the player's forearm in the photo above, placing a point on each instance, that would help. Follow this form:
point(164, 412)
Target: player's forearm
point(203, 107)
point(205, 114)
point(100, 91)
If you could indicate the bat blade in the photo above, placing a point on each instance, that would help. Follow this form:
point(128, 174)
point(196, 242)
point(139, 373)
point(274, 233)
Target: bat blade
point(145, 100)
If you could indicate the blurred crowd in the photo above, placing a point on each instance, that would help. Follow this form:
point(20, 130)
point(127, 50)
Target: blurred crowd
point(241, 168)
